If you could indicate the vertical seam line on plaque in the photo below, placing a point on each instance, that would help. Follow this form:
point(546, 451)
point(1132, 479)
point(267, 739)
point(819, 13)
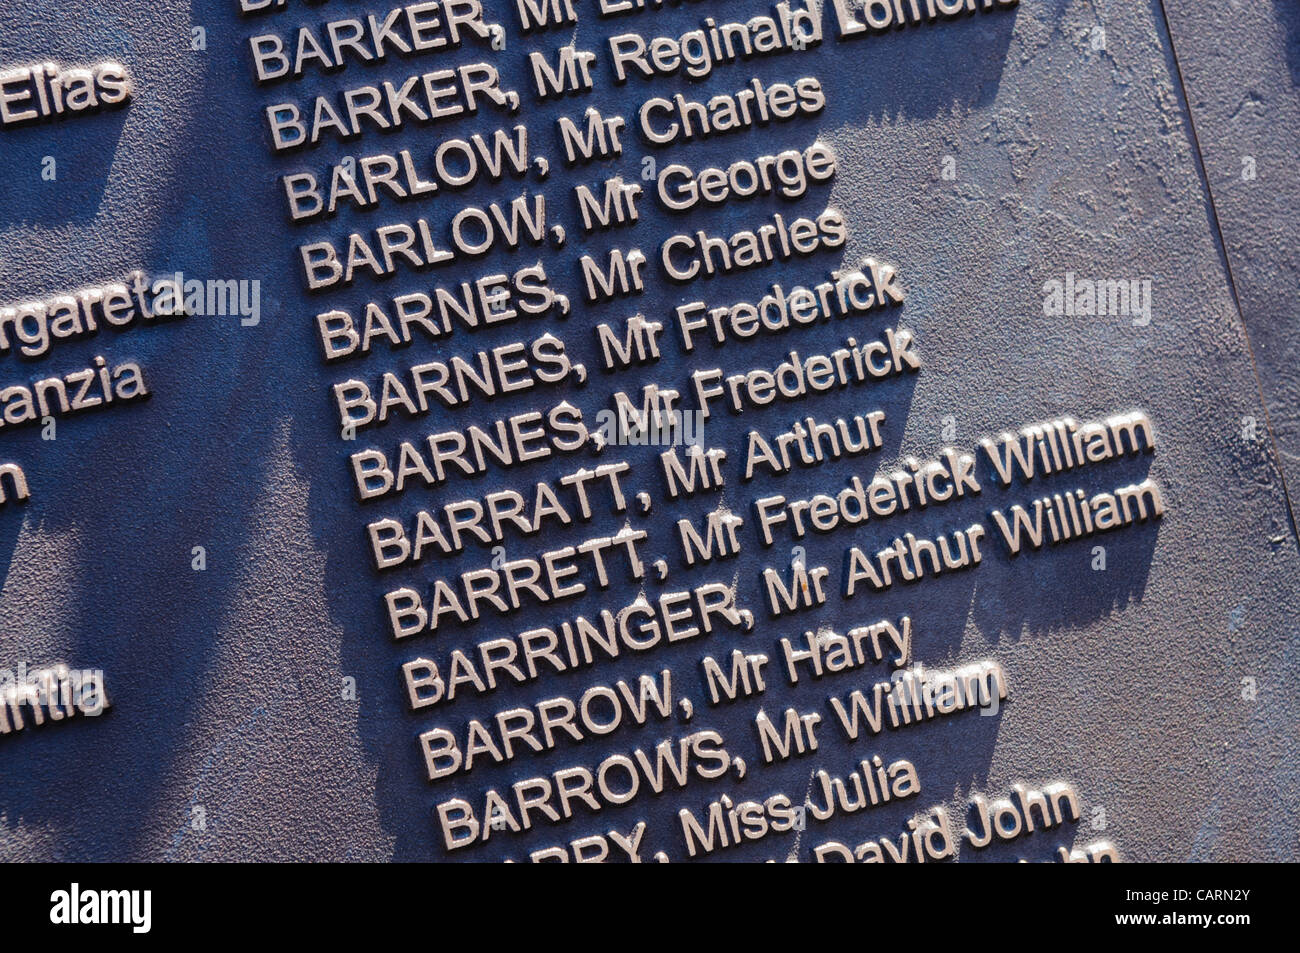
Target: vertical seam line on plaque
point(1227, 264)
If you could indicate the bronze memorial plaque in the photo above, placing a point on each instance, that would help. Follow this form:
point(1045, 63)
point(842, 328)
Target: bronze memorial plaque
point(657, 430)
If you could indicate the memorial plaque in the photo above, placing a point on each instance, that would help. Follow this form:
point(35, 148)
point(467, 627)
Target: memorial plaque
point(652, 430)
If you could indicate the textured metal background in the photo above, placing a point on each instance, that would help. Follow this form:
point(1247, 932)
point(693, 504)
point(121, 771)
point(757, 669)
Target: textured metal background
point(225, 683)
